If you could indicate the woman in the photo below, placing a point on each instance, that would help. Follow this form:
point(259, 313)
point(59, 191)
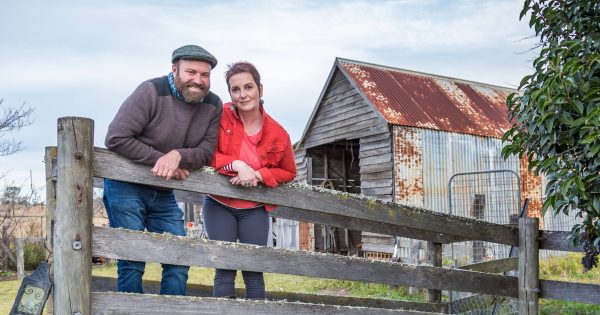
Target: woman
point(252, 148)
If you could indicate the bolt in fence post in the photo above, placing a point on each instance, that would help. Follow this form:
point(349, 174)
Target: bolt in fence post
point(529, 266)
point(20, 258)
point(73, 217)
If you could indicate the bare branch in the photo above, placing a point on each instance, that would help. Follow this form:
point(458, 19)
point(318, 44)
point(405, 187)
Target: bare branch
point(13, 119)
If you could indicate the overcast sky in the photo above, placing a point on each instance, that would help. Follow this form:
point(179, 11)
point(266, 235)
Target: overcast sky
point(69, 58)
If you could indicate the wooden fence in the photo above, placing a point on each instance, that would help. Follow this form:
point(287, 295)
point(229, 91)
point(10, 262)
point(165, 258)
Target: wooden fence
point(75, 241)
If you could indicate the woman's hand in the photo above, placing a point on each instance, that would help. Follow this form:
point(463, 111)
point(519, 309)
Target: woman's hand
point(246, 175)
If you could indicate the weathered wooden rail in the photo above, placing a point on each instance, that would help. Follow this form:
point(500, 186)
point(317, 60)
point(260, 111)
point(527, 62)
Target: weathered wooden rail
point(75, 241)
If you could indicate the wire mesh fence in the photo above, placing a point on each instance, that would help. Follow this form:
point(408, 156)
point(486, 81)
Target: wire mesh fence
point(491, 196)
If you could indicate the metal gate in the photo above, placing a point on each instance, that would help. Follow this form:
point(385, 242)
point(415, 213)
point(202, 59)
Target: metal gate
point(491, 196)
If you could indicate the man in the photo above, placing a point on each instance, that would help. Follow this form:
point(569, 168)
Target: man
point(170, 123)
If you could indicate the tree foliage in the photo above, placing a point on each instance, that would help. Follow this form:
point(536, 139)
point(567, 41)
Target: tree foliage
point(556, 114)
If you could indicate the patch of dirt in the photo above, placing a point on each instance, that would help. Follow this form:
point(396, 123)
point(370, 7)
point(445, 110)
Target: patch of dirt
point(340, 292)
point(8, 278)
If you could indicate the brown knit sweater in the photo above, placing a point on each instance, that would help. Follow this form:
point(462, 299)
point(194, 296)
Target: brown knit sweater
point(151, 122)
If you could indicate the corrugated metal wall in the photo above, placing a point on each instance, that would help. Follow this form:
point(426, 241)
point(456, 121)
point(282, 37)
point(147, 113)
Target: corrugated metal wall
point(426, 159)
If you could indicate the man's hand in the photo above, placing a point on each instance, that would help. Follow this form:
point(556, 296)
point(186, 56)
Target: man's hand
point(181, 173)
point(167, 165)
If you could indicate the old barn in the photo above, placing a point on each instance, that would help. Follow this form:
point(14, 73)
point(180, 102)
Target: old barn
point(400, 136)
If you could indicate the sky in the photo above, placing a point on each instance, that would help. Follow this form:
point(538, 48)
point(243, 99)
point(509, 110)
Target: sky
point(78, 58)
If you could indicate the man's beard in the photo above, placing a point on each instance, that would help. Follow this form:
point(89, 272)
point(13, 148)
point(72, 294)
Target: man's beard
point(188, 95)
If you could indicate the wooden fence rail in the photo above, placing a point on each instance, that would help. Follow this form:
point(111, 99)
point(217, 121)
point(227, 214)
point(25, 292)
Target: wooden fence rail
point(140, 246)
point(110, 165)
point(75, 241)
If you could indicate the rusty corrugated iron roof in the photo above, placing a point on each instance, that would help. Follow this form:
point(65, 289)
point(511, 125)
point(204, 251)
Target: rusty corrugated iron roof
point(416, 99)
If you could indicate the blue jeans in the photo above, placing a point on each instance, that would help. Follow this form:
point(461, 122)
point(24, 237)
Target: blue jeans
point(138, 207)
point(250, 226)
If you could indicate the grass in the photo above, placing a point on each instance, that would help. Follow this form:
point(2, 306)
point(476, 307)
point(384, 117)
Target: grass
point(567, 268)
point(284, 283)
point(8, 291)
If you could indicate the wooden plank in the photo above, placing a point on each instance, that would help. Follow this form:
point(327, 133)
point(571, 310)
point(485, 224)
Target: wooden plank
point(361, 128)
point(110, 165)
point(129, 303)
point(337, 88)
point(557, 240)
point(339, 126)
point(377, 175)
point(328, 110)
point(331, 220)
point(385, 143)
point(374, 183)
point(375, 168)
point(372, 130)
point(343, 111)
point(495, 266)
point(337, 81)
point(108, 284)
point(342, 121)
point(169, 249)
point(360, 225)
point(72, 235)
point(570, 291)
point(342, 93)
point(375, 152)
point(376, 159)
point(377, 137)
point(377, 191)
point(375, 247)
point(529, 273)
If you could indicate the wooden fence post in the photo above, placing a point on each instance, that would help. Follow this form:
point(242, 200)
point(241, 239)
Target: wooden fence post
point(528, 266)
point(434, 256)
point(413, 257)
point(73, 217)
point(20, 258)
point(49, 157)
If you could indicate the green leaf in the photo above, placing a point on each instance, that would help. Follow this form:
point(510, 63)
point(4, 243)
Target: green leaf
point(591, 138)
point(578, 105)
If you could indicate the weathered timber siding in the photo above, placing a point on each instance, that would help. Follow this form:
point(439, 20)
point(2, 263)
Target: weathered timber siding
point(301, 166)
point(342, 114)
point(376, 172)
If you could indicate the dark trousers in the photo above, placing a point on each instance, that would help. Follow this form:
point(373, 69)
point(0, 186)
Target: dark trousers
point(250, 226)
point(138, 207)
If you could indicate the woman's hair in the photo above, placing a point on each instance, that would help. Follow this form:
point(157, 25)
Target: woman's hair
point(241, 67)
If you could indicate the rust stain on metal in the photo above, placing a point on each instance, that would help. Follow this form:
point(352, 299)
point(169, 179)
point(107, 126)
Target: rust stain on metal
point(408, 165)
point(421, 100)
point(531, 187)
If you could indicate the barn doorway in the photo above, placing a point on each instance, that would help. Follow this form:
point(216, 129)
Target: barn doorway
point(335, 166)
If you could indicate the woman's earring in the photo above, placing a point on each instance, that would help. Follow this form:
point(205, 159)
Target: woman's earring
point(260, 102)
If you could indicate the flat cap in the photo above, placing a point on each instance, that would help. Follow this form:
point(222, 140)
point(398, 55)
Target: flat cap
point(194, 52)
